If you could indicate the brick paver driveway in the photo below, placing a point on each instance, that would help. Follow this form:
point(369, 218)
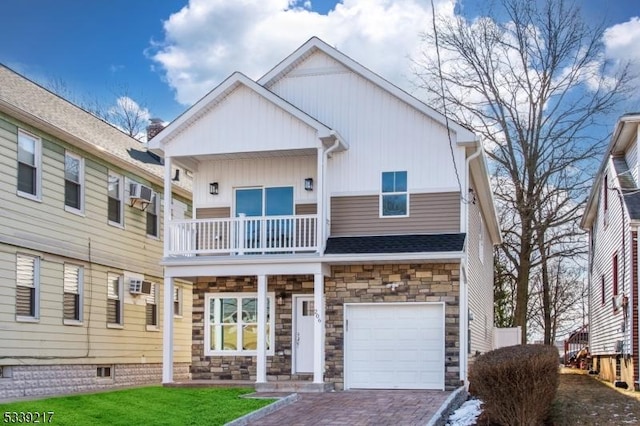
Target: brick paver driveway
point(359, 407)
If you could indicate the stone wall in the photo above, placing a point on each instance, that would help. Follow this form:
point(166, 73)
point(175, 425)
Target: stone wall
point(31, 381)
point(243, 367)
point(430, 282)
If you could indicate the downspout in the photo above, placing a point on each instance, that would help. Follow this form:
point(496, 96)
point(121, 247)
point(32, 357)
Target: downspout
point(326, 201)
point(465, 327)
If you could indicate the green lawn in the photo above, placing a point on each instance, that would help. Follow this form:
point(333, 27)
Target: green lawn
point(149, 405)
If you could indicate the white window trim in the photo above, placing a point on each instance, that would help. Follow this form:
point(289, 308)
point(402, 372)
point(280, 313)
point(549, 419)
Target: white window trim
point(81, 182)
point(78, 321)
point(121, 195)
point(207, 324)
point(157, 212)
point(382, 194)
point(117, 325)
point(38, 165)
point(178, 313)
point(36, 285)
point(156, 294)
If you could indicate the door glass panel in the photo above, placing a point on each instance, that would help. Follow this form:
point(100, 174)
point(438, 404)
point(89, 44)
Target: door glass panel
point(307, 308)
point(279, 201)
point(249, 202)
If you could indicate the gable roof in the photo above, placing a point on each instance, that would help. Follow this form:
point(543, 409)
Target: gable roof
point(625, 132)
point(33, 104)
point(219, 93)
point(315, 44)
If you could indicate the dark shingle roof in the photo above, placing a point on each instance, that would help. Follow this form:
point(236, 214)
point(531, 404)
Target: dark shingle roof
point(396, 244)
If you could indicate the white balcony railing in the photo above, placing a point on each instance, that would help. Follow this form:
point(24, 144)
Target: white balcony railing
point(243, 235)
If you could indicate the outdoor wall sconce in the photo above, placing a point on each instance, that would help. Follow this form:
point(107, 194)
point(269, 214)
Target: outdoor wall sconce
point(280, 298)
point(308, 184)
point(213, 188)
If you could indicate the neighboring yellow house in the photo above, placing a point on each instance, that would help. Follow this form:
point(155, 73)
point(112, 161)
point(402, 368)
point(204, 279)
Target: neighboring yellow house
point(81, 238)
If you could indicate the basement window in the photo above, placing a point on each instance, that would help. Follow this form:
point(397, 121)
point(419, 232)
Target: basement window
point(104, 371)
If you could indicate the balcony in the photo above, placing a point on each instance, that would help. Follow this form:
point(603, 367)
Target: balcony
point(244, 235)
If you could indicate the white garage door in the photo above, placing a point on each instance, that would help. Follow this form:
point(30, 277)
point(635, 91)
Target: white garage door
point(394, 346)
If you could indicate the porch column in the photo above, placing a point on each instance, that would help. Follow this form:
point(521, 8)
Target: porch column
point(167, 332)
point(167, 206)
point(318, 328)
point(261, 357)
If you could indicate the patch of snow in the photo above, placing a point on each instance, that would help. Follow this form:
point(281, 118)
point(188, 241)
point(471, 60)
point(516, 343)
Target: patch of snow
point(467, 414)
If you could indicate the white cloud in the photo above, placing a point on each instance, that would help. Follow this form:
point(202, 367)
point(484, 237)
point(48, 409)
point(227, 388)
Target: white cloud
point(209, 39)
point(621, 43)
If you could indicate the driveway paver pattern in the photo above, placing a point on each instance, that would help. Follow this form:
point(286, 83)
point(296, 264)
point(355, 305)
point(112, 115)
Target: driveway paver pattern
point(359, 407)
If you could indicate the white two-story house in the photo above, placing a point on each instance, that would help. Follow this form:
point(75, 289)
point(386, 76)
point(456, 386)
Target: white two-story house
point(342, 236)
point(612, 218)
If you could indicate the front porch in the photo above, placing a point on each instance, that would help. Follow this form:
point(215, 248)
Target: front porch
point(232, 311)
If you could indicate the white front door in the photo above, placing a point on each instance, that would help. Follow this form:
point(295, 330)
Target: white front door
point(304, 314)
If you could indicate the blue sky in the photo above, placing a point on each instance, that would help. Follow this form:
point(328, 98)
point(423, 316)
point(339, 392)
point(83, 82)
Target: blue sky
point(168, 60)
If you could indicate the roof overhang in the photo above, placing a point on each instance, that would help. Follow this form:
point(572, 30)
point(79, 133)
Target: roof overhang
point(625, 132)
point(86, 146)
point(326, 135)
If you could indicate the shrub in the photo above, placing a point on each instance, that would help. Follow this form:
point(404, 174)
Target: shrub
point(517, 383)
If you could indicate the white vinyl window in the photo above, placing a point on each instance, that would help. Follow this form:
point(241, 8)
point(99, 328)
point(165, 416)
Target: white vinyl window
point(73, 182)
point(115, 199)
point(394, 198)
point(153, 216)
point(177, 301)
point(231, 326)
point(72, 298)
point(115, 299)
point(27, 287)
point(29, 165)
point(151, 309)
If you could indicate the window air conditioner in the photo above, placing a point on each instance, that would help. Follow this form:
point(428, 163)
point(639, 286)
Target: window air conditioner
point(141, 193)
point(138, 286)
point(617, 301)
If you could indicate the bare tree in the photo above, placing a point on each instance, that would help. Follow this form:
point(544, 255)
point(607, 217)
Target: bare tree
point(125, 113)
point(534, 87)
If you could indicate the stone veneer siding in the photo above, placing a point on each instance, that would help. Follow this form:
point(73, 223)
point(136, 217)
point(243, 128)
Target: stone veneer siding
point(422, 282)
point(34, 381)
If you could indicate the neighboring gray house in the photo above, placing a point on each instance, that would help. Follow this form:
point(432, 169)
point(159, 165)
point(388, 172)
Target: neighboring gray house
point(343, 236)
point(612, 218)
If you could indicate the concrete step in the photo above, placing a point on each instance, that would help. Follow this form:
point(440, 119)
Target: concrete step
point(293, 386)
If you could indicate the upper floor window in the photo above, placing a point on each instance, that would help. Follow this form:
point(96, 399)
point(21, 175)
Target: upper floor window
point(394, 198)
point(73, 182)
point(116, 196)
point(29, 165)
point(27, 287)
point(115, 299)
point(72, 298)
point(152, 216)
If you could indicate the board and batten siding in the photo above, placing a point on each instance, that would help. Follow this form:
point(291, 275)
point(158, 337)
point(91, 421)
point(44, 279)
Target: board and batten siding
point(429, 213)
point(244, 122)
point(49, 340)
point(45, 225)
point(383, 132)
point(604, 323)
point(253, 172)
point(480, 279)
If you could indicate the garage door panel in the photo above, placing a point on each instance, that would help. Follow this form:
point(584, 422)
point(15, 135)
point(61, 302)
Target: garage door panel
point(394, 346)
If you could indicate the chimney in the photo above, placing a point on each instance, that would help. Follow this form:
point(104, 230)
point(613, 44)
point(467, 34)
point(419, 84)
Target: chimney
point(154, 127)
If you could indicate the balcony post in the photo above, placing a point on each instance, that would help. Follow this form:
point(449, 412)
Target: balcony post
point(241, 234)
point(320, 201)
point(167, 205)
